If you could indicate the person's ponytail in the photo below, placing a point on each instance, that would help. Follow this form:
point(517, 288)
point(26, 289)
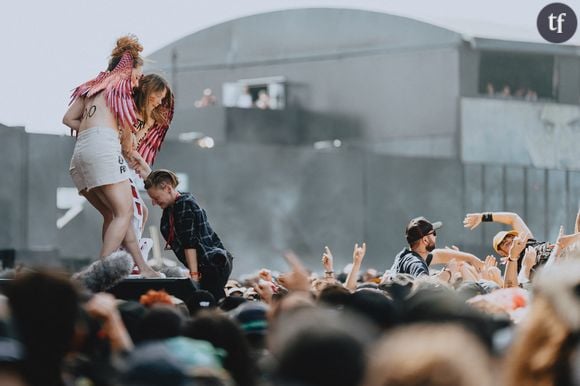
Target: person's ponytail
point(130, 44)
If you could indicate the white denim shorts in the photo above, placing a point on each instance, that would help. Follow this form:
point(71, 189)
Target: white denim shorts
point(97, 159)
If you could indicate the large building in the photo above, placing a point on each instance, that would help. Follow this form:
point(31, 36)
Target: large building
point(387, 83)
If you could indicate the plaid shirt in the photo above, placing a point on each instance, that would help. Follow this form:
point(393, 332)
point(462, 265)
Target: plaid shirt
point(191, 230)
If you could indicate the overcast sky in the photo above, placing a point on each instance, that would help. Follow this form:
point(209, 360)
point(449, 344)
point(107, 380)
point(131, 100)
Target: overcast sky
point(49, 47)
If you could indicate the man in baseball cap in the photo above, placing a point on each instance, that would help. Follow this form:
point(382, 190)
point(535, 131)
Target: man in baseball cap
point(421, 235)
point(420, 227)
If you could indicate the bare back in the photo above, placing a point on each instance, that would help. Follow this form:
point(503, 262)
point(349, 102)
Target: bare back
point(86, 113)
point(96, 113)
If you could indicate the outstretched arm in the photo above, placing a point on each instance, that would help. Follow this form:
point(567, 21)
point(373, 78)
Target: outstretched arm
point(472, 221)
point(328, 263)
point(444, 256)
point(562, 242)
point(357, 257)
point(103, 307)
point(139, 165)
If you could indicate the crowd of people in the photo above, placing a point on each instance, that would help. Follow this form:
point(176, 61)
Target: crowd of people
point(465, 323)
point(505, 91)
point(437, 316)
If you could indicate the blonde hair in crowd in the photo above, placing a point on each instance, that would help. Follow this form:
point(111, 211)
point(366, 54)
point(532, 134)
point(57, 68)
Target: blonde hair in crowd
point(430, 354)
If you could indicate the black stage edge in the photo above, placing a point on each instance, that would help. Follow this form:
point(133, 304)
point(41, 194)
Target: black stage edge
point(4, 283)
point(132, 289)
point(7, 257)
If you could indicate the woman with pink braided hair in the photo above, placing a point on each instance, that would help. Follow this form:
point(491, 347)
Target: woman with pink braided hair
point(102, 113)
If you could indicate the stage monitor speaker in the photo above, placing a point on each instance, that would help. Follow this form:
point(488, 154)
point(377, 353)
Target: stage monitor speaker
point(132, 289)
point(3, 284)
point(7, 256)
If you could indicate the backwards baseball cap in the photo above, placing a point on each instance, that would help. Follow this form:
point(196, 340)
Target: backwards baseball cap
point(498, 238)
point(200, 300)
point(420, 227)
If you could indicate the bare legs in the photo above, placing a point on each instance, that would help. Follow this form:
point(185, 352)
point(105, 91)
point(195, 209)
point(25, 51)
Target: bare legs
point(99, 205)
point(114, 202)
point(117, 198)
point(132, 246)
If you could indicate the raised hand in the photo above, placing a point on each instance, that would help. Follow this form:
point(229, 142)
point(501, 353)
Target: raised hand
point(518, 245)
point(453, 268)
point(564, 241)
point(102, 306)
point(359, 253)
point(560, 236)
point(530, 258)
point(468, 272)
point(265, 274)
point(489, 268)
point(265, 290)
point(472, 220)
point(490, 261)
point(357, 257)
point(327, 260)
point(494, 274)
point(297, 279)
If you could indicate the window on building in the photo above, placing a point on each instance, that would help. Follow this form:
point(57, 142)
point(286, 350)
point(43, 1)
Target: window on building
point(259, 93)
point(517, 76)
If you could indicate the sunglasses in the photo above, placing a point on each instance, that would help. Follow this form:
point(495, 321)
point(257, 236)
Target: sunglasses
point(434, 233)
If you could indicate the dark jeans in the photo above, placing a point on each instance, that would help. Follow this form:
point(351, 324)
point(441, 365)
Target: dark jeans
point(215, 274)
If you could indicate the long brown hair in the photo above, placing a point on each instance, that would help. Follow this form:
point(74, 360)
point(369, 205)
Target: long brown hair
point(128, 43)
point(147, 85)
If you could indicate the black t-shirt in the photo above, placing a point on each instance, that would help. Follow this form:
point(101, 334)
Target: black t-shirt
point(412, 263)
point(543, 249)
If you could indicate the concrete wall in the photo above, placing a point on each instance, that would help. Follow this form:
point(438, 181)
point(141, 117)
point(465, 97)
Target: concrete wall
point(13, 209)
point(263, 200)
point(569, 79)
point(544, 135)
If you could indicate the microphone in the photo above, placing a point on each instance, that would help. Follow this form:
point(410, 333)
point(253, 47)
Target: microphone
point(105, 273)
